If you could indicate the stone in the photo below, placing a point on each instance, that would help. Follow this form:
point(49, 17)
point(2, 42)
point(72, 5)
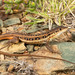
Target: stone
point(10, 68)
point(30, 48)
point(15, 48)
point(36, 48)
point(1, 23)
point(68, 51)
point(0, 2)
point(11, 21)
point(2, 68)
point(44, 66)
point(18, 15)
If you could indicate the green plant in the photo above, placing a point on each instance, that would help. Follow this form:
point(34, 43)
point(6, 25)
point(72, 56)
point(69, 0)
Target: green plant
point(13, 1)
point(47, 11)
point(10, 4)
point(51, 10)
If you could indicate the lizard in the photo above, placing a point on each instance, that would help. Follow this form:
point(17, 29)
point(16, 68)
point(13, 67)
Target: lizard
point(43, 38)
point(34, 39)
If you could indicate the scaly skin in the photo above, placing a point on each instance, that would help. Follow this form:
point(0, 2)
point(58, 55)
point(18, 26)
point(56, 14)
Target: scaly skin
point(35, 39)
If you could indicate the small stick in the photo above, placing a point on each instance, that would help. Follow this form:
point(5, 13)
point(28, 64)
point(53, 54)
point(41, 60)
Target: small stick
point(8, 54)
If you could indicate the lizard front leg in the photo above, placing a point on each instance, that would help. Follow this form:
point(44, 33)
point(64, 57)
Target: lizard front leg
point(49, 47)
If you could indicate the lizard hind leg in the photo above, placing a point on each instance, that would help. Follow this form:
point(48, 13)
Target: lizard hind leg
point(10, 42)
point(14, 40)
point(49, 47)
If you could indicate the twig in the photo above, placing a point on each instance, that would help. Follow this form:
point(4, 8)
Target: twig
point(8, 54)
